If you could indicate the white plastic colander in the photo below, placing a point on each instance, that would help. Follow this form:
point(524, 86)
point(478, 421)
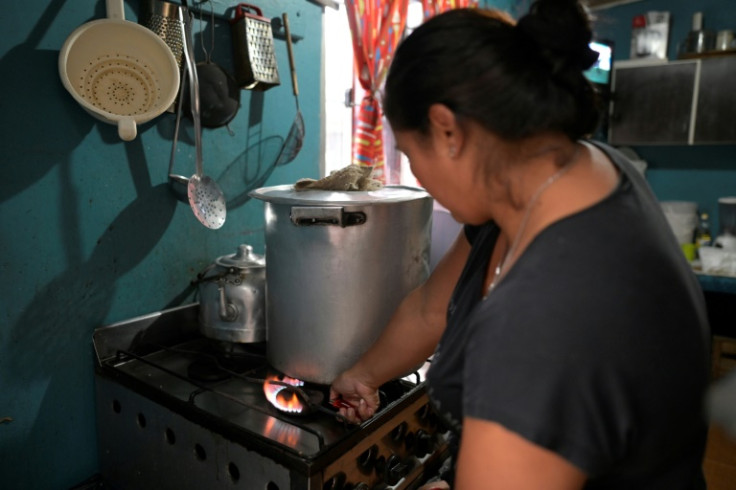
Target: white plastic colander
point(119, 71)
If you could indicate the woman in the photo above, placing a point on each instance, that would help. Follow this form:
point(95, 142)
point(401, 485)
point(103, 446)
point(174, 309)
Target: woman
point(569, 334)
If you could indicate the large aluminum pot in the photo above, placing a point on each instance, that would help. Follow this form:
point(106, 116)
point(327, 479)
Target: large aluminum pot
point(338, 264)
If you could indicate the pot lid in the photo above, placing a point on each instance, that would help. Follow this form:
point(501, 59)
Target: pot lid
point(285, 194)
point(244, 258)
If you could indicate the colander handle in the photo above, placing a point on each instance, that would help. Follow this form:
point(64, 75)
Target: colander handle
point(242, 8)
point(127, 129)
point(115, 9)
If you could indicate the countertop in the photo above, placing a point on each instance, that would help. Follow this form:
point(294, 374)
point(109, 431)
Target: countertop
point(716, 284)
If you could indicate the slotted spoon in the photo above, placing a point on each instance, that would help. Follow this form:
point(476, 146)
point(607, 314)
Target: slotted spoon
point(205, 196)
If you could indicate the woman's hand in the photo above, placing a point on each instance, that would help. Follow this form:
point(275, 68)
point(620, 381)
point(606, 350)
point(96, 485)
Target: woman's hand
point(359, 393)
point(435, 485)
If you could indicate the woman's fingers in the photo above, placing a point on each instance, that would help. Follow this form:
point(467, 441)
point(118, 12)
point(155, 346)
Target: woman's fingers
point(435, 485)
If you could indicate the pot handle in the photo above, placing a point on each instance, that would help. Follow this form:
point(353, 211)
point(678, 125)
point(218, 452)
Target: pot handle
point(228, 311)
point(329, 216)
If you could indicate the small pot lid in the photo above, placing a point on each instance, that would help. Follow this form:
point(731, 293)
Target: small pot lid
point(285, 194)
point(244, 258)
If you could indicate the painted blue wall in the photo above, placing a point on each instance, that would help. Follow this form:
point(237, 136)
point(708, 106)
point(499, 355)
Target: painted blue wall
point(89, 231)
point(701, 173)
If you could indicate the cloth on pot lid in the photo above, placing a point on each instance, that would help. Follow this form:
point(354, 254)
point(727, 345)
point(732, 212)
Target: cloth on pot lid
point(350, 178)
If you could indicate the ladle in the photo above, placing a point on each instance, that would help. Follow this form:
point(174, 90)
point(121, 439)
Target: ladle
point(178, 183)
point(205, 196)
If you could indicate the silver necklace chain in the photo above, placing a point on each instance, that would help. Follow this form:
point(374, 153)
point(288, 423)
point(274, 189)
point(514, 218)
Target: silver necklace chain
point(530, 205)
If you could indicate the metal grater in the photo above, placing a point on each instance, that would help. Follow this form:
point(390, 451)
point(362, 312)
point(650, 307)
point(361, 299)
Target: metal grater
point(254, 57)
point(165, 19)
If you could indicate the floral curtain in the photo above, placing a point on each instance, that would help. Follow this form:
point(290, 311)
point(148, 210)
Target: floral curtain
point(376, 27)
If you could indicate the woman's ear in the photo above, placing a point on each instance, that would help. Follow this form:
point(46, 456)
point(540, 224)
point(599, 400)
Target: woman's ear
point(445, 130)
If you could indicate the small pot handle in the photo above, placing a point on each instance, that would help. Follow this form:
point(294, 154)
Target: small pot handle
point(328, 216)
point(228, 311)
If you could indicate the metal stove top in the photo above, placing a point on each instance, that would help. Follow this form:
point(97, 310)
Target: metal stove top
point(152, 358)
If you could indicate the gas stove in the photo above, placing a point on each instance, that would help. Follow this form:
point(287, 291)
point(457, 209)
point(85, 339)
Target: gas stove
point(181, 411)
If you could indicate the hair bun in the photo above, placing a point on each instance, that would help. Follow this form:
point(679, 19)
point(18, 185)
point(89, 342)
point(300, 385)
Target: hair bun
point(561, 29)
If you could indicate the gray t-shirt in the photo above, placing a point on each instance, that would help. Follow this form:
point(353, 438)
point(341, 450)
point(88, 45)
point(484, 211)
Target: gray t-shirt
point(595, 345)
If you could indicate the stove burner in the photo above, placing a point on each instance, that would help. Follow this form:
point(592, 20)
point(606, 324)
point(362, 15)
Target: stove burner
point(237, 356)
point(218, 360)
point(206, 369)
point(298, 401)
point(279, 393)
point(293, 397)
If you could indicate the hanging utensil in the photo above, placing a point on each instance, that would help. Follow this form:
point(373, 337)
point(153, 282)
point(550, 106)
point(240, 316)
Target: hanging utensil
point(253, 52)
point(295, 139)
point(178, 183)
point(205, 197)
point(165, 19)
point(120, 72)
point(219, 93)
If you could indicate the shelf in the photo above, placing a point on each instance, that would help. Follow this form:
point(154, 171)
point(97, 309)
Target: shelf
point(717, 284)
point(708, 54)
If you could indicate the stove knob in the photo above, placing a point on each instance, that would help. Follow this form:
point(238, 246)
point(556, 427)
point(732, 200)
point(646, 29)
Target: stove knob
point(424, 412)
point(337, 482)
point(410, 442)
point(399, 432)
point(436, 422)
point(367, 459)
point(381, 467)
point(395, 470)
point(424, 443)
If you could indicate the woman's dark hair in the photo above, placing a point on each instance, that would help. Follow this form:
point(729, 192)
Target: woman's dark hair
point(516, 80)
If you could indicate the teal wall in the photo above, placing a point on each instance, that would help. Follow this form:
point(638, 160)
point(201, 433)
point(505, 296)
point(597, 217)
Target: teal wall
point(89, 231)
point(701, 173)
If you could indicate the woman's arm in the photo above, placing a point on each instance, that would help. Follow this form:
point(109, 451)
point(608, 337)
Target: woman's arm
point(492, 457)
point(409, 338)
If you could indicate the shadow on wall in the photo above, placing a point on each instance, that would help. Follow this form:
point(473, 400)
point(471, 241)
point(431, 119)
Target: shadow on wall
point(253, 167)
point(46, 371)
point(40, 101)
point(50, 343)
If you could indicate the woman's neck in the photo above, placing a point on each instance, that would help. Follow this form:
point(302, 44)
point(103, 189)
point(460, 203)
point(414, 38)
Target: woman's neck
point(528, 166)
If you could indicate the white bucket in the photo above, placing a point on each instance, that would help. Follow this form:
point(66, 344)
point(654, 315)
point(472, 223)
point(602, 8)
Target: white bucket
point(683, 219)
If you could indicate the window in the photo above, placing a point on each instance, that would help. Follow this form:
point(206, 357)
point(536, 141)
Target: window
point(339, 90)
point(338, 82)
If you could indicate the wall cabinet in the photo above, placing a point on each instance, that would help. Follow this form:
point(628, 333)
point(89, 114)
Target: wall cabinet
point(676, 103)
point(715, 119)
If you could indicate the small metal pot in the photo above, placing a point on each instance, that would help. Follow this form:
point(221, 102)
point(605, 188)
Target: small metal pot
point(232, 298)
